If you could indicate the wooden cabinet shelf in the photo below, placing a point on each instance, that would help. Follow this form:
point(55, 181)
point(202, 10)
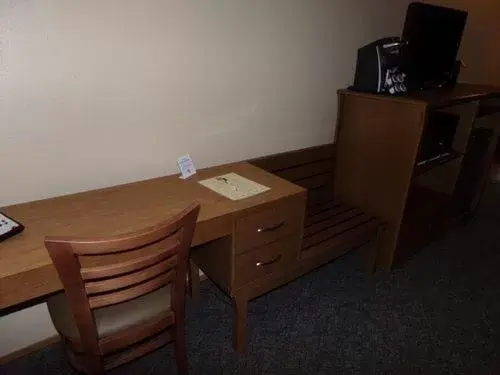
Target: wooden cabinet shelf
point(379, 142)
point(425, 204)
point(428, 165)
point(488, 110)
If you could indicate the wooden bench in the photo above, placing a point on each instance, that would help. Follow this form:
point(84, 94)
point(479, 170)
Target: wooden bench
point(332, 227)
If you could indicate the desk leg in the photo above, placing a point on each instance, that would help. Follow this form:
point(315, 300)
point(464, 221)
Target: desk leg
point(240, 319)
point(194, 280)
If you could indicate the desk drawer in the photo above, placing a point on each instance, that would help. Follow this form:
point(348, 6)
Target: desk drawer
point(266, 226)
point(266, 259)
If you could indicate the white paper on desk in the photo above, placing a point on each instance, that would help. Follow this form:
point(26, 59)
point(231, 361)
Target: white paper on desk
point(234, 186)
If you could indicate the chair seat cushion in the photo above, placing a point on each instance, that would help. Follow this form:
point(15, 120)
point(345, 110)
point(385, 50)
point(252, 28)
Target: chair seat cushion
point(114, 318)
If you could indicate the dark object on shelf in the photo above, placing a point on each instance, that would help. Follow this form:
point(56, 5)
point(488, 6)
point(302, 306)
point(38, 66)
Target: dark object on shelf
point(377, 68)
point(488, 110)
point(437, 138)
point(455, 72)
point(433, 35)
point(428, 164)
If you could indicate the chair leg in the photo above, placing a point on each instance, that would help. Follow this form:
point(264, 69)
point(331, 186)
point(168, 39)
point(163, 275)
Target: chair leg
point(95, 365)
point(180, 347)
point(194, 280)
point(91, 364)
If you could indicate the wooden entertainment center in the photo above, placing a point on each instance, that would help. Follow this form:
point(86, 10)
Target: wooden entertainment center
point(379, 139)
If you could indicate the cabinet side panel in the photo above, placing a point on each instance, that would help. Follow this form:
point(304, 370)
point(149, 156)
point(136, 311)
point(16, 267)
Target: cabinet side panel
point(376, 149)
point(215, 259)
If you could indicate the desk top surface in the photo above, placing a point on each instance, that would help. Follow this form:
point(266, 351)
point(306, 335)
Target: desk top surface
point(440, 97)
point(129, 207)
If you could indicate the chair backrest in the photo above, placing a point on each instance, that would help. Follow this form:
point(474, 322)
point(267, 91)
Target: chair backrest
point(102, 271)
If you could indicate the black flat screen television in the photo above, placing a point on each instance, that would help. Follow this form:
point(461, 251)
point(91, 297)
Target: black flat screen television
point(432, 35)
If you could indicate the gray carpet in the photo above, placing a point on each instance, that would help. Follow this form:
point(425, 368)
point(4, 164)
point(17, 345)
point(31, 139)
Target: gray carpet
point(440, 314)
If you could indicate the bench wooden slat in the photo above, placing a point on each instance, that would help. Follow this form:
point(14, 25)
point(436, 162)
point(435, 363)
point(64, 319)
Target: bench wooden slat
point(290, 159)
point(319, 196)
point(316, 181)
point(334, 210)
point(336, 230)
point(340, 245)
point(306, 170)
point(333, 221)
point(321, 206)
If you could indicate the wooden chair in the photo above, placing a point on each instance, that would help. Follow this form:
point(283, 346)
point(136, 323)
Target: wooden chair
point(124, 295)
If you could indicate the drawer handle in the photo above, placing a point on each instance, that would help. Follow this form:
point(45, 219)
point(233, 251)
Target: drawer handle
point(270, 229)
point(262, 264)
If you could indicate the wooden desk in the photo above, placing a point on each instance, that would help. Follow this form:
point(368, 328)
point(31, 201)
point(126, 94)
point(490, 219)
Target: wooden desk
point(27, 272)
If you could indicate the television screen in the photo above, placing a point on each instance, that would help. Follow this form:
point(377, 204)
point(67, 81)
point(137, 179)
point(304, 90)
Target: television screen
point(433, 35)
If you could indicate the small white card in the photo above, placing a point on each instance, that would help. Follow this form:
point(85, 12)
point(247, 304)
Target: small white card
point(186, 166)
point(234, 186)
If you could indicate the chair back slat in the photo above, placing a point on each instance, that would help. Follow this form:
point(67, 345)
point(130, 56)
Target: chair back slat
point(123, 295)
point(113, 283)
point(111, 268)
point(122, 242)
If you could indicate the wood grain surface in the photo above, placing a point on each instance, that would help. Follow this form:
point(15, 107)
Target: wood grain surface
point(26, 270)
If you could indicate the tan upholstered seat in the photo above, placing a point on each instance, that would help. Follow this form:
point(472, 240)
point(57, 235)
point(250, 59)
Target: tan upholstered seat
point(114, 318)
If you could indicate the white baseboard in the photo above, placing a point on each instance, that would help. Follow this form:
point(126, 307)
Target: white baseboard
point(29, 349)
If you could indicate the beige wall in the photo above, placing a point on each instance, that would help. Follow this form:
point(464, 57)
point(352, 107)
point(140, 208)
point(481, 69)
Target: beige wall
point(95, 93)
point(479, 47)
